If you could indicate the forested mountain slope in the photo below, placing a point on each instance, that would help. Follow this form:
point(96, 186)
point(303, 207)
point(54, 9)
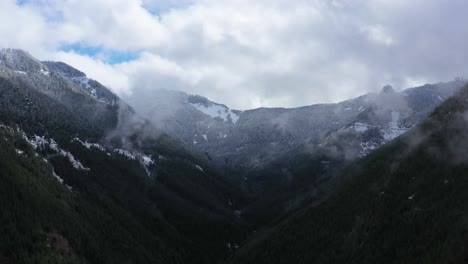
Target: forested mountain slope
point(302, 175)
point(86, 180)
point(404, 203)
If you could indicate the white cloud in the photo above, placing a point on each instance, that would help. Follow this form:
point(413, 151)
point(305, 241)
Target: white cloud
point(378, 34)
point(414, 82)
point(249, 53)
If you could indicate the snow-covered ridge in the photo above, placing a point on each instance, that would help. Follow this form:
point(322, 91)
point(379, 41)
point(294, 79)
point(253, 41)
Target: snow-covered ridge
point(126, 153)
point(41, 142)
point(135, 155)
point(76, 163)
point(60, 180)
point(89, 145)
point(145, 160)
point(217, 111)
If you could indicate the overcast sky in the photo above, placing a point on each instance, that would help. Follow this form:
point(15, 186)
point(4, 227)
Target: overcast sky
point(247, 53)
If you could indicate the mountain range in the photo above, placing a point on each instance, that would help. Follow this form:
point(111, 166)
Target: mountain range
point(282, 157)
point(168, 177)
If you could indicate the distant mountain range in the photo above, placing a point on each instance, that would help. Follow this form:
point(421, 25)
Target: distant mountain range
point(251, 138)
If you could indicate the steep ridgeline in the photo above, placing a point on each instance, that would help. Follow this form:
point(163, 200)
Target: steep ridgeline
point(86, 180)
point(92, 87)
point(404, 203)
point(21, 70)
point(251, 139)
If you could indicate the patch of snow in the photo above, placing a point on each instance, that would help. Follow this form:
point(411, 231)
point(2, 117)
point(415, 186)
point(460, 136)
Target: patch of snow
point(89, 145)
point(232, 245)
point(393, 130)
point(147, 160)
point(360, 127)
point(198, 167)
point(60, 180)
point(83, 81)
point(238, 213)
point(367, 147)
point(234, 117)
point(161, 157)
point(37, 141)
point(411, 197)
point(125, 153)
point(205, 137)
point(19, 152)
point(348, 108)
point(392, 133)
point(21, 72)
point(44, 72)
point(440, 98)
point(217, 111)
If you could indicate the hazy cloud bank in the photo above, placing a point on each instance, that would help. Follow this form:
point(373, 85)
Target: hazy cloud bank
point(248, 53)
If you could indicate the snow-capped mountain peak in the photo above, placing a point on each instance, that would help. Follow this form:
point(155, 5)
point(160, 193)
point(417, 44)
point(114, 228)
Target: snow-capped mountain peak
point(20, 61)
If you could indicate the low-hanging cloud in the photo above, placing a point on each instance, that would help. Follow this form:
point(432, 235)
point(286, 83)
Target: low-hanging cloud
point(249, 53)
